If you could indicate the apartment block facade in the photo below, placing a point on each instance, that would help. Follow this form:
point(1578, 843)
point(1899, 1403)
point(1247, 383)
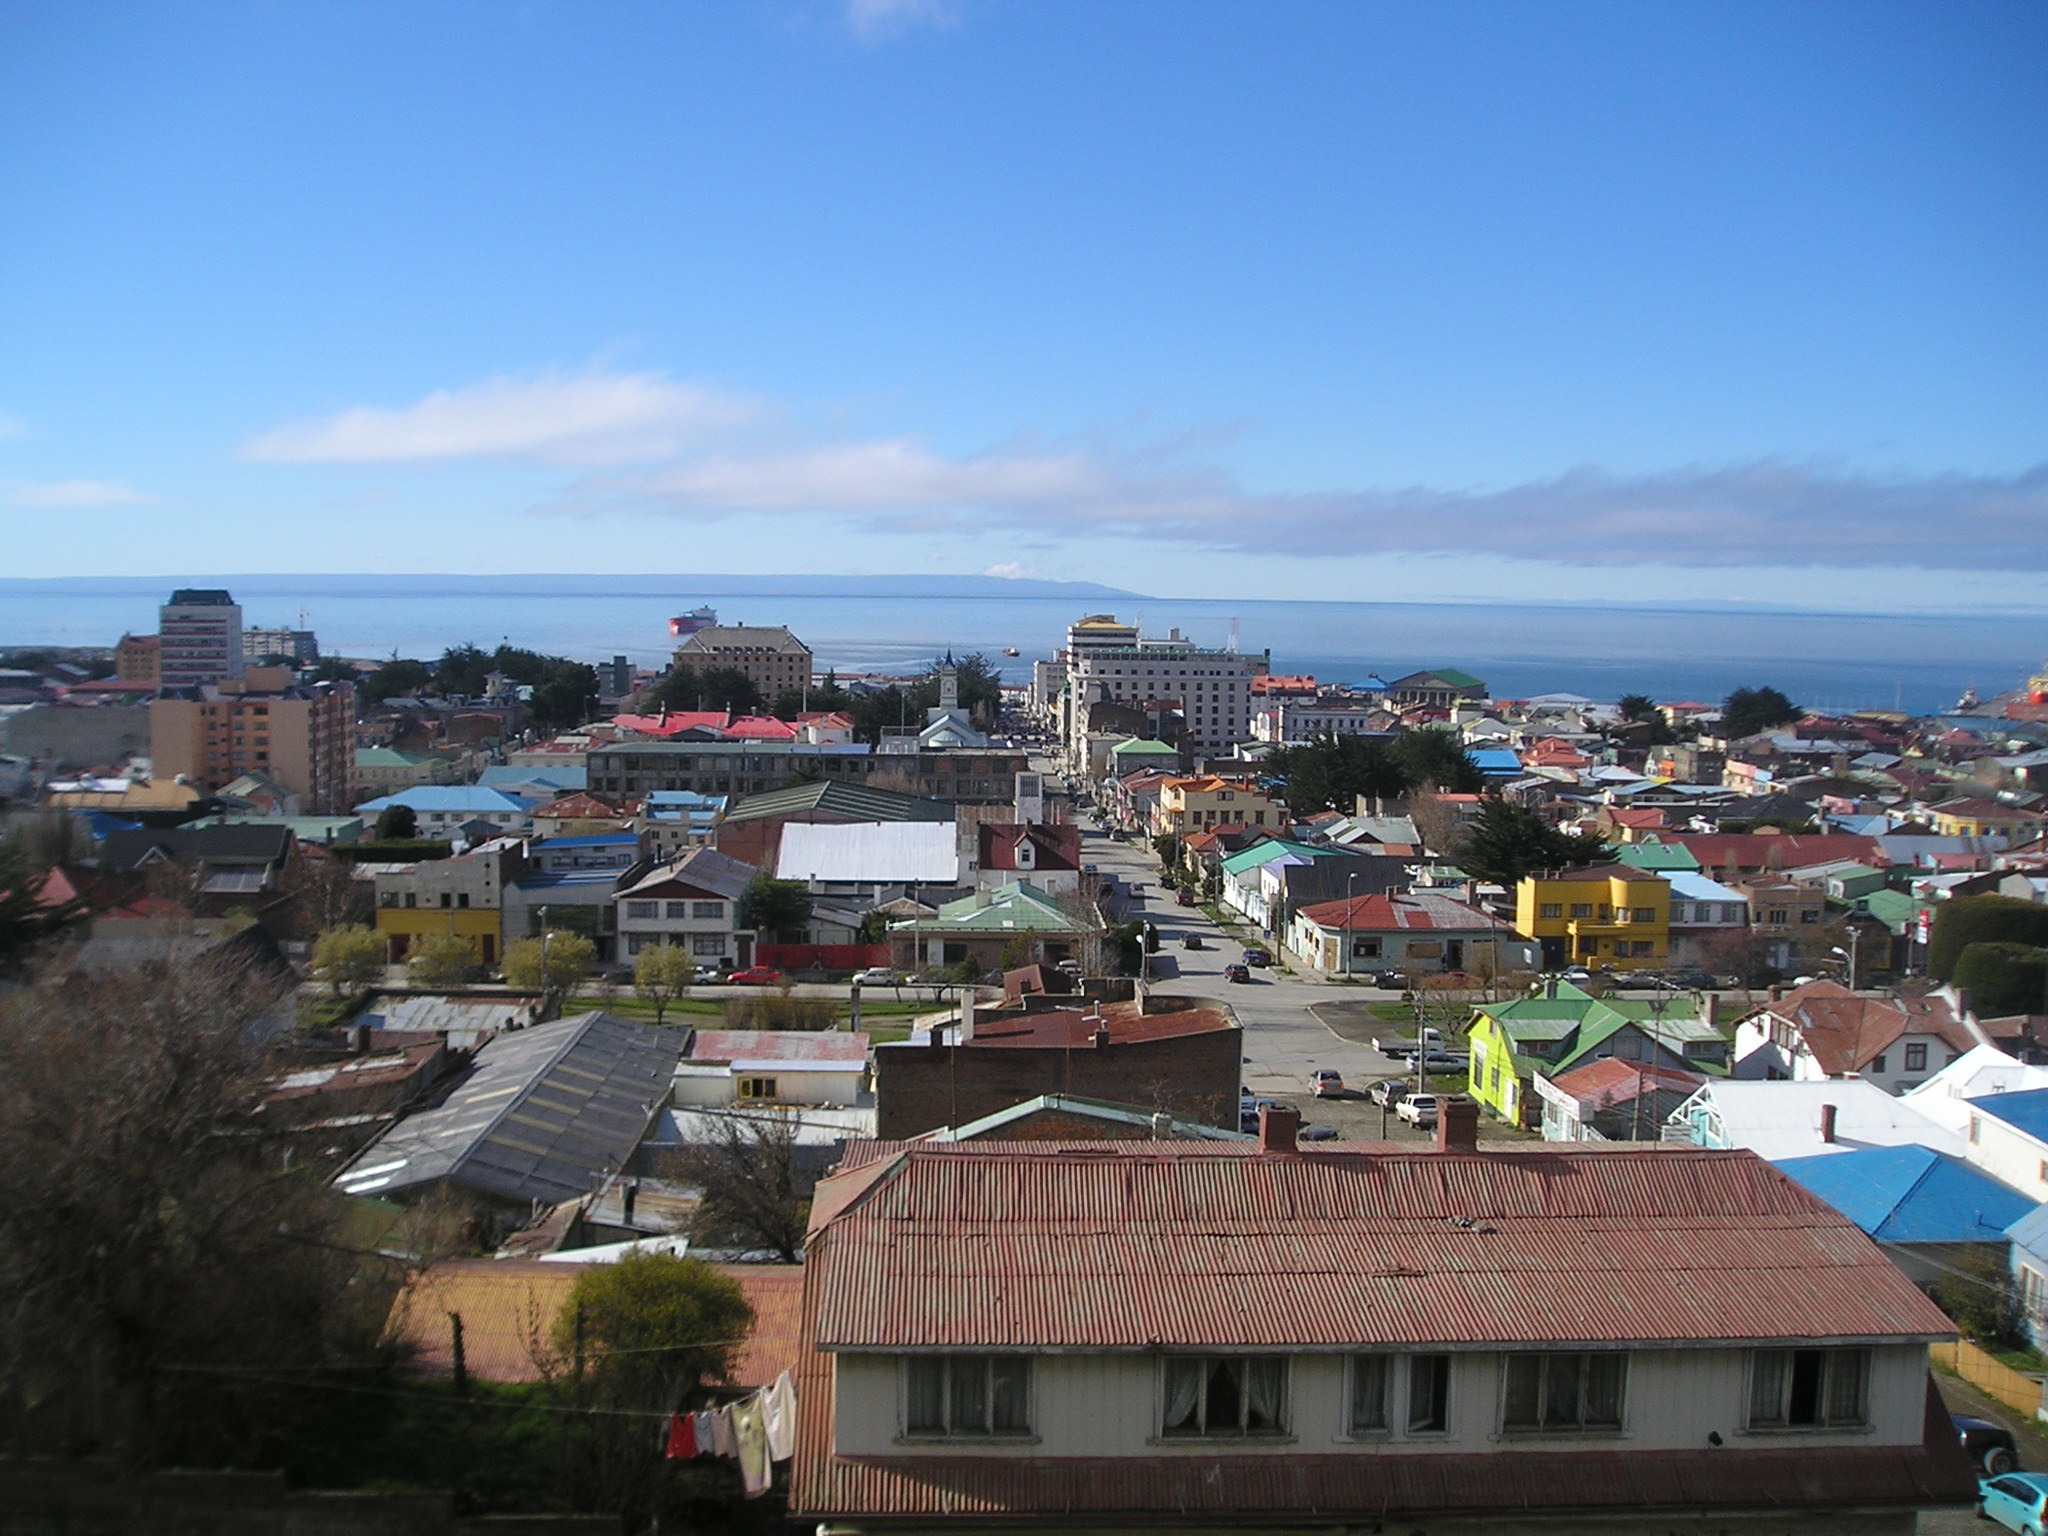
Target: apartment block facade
point(771, 657)
point(301, 737)
point(199, 638)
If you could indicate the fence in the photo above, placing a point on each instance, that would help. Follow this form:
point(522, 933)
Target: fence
point(821, 957)
point(1992, 1377)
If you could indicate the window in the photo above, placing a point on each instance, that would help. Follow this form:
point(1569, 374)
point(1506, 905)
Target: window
point(967, 1395)
point(1213, 1397)
point(1916, 1058)
point(757, 1088)
point(1429, 1394)
point(1808, 1388)
point(707, 944)
point(711, 909)
point(1369, 1394)
point(1366, 949)
point(1646, 914)
point(1775, 915)
point(1550, 909)
point(1877, 1063)
point(676, 909)
point(1973, 1130)
point(643, 909)
point(1562, 1392)
point(1582, 909)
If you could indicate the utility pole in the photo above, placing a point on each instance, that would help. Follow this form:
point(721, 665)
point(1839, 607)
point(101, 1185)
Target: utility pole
point(455, 1343)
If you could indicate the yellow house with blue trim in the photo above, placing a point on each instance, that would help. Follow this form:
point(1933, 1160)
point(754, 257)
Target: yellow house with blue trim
point(1611, 916)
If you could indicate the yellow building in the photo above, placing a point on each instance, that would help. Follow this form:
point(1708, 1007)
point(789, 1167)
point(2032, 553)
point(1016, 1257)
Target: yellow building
point(1967, 816)
point(1606, 915)
point(1198, 804)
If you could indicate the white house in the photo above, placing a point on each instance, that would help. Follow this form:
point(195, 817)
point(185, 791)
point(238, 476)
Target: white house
point(754, 1066)
point(1980, 1071)
point(1824, 1030)
point(2007, 1137)
point(1416, 932)
point(692, 903)
point(1778, 1120)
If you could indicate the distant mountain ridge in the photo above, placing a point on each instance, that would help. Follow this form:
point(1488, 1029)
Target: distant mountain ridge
point(680, 587)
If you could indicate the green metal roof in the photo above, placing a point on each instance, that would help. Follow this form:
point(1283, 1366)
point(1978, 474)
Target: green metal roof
point(1014, 908)
point(1653, 858)
point(1456, 678)
point(1273, 848)
point(1137, 746)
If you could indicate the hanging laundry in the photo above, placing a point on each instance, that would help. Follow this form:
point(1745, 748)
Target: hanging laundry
point(723, 1442)
point(682, 1436)
point(752, 1431)
point(707, 1437)
point(778, 1408)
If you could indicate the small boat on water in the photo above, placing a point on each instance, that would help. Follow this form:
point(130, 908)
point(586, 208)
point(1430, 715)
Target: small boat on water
point(1009, 650)
point(696, 619)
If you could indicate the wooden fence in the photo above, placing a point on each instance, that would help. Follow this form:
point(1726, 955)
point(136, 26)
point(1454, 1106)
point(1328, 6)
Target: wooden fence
point(1992, 1377)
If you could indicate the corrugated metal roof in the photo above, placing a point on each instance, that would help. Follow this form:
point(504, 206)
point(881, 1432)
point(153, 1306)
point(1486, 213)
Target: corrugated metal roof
point(1911, 1195)
point(881, 852)
point(546, 1109)
point(727, 1045)
point(1138, 1246)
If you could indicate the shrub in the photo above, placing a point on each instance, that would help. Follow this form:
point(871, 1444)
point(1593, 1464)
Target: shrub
point(1968, 920)
point(2004, 978)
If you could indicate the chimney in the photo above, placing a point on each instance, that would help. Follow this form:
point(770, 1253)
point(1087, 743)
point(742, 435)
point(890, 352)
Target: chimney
point(1162, 1126)
point(1710, 1010)
point(1550, 987)
point(1278, 1125)
point(966, 1015)
point(1457, 1126)
point(1827, 1124)
point(1101, 1033)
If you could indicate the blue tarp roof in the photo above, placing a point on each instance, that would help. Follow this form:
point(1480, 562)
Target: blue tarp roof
point(2026, 1110)
point(1909, 1194)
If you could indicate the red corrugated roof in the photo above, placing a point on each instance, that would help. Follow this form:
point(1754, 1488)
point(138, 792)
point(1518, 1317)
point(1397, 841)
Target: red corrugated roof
point(1151, 1245)
point(1763, 850)
point(1610, 1080)
point(1371, 914)
point(1076, 1026)
point(710, 1045)
point(1845, 1030)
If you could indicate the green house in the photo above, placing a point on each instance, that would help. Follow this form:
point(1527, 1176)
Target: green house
point(1563, 1027)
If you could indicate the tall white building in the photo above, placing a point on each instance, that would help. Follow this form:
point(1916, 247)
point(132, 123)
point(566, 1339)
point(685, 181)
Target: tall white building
point(1213, 688)
point(199, 638)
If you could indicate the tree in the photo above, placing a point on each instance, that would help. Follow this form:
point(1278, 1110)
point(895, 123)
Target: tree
point(396, 677)
point(565, 694)
point(461, 671)
point(778, 907)
point(979, 683)
point(661, 974)
point(2003, 978)
point(332, 669)
point(652, 1327)
point(348, 959)
point(553, 964)
point(441, 960)
point(756, 1194)
point(1434, 756)
point(1977, 1292)
point(1639, 707)
point(27, 924)
point(165, 1265)
point(1749, 710)
point(1509, 842)
point(1965, 920)
point(396, 824)
point(688, 688)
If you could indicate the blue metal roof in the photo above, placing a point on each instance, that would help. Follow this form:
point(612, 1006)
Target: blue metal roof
point(1494, 760)
point(1909, 1194)
point(450, 799)
point(593, 840)
point(2025, 1111)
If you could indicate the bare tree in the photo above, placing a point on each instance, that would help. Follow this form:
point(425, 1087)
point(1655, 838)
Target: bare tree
point(755, 1195)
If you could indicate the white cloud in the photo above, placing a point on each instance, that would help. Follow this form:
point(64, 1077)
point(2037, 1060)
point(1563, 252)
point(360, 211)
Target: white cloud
point(877, 20)
point(1768, 512)
point(587, 418)
point(78, 493)
point(1010, 570)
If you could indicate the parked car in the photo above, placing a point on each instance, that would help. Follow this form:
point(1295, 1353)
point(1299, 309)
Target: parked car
point(1439, 1061)
point(1988, 1445)
point(1399, 1046)
point(1248, 1113)
point(1319, 1133)
point(755, 976)
point(876, 976)
point(1697, 981)
point(2018, 1501)
point(1184, 897)
point(1392, 981)
point(1388, 1092)
point(1256, 956)
point(1237, 973)
point(1418, 1109)
point(1192, 941)
point(707, 973)
point(1326, 1084)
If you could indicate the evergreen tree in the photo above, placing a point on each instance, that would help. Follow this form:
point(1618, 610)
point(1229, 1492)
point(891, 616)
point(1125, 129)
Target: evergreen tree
point(1749, 710)
point(1509, 841)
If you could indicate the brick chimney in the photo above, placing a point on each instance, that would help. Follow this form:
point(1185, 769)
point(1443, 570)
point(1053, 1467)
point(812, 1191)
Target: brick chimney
point(1827, 1123)
point(1457, 1125)
point(1278, 1126)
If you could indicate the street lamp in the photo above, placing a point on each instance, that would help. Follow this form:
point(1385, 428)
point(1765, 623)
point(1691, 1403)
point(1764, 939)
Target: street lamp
point(1849, 954)
point(1349, 941)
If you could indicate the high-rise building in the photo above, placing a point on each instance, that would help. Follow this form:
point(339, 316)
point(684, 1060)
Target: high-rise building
point(199, 638)
point(1113, 665)
point(298, 646)
point(303, 738)
point(136, 660)
point(771, 657)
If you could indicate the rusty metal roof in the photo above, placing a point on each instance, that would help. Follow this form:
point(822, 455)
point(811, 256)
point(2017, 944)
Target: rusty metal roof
point(1139, 1246)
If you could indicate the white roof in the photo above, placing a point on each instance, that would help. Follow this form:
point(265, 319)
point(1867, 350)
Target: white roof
point(1690, 885)
point(1779, 1120)
point(611, 1253)
point(870, 852)
point(1981, 1070)
point(816, 1125)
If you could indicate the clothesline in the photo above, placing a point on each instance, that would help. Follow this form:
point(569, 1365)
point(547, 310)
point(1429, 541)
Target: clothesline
point(756, 1431)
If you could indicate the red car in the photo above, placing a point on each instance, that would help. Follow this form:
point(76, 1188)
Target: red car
point(755, 976)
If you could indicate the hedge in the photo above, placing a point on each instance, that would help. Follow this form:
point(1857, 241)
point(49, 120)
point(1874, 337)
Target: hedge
point(1971, 920)
point(2004, 979)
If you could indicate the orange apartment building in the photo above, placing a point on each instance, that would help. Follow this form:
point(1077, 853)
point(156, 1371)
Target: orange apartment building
point(301, 737)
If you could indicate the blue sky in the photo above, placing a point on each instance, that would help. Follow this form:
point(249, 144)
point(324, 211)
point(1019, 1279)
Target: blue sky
point(1423, 301)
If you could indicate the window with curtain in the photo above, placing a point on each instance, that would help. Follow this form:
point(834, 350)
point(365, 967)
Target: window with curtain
point(1216, 1396)
point(948, 1395)
point(1429, 1394)
point(1809, 1388)
point(1562, 1393)
point(1368, 1394)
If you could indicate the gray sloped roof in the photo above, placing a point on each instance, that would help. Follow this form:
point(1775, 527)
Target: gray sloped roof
point(546, 1109)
